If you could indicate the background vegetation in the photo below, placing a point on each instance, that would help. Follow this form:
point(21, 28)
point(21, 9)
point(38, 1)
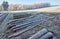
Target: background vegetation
point(14, 7)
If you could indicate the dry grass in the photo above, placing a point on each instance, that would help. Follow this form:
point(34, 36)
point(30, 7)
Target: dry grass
point(51, 9)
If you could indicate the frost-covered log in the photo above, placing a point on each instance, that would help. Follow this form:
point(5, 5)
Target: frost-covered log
point(39, 34)
point(2, 17)
point(7, 17)
point(49, 35)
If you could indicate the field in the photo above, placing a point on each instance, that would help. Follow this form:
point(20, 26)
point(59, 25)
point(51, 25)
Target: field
point(50, 9)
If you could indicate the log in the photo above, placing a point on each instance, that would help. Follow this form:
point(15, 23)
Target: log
point(2, 17)
point(49, 35)
point(39, 34)
point(3, 25)
point(1, 14)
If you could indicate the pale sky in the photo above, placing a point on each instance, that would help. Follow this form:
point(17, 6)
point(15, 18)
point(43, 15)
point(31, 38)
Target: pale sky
point(54, 2)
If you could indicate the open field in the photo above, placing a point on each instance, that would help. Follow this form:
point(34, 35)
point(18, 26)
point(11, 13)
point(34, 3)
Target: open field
point(50, 9)
point(47, 9)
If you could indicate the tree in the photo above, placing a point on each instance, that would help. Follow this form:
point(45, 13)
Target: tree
point(5, 5)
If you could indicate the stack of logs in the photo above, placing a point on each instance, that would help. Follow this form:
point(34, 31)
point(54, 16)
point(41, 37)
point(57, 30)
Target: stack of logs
point(22, 28)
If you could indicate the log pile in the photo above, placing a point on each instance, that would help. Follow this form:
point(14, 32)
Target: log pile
point(22, 28)
point(32, 27)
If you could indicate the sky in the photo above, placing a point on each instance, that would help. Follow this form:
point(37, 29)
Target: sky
point(53, 2)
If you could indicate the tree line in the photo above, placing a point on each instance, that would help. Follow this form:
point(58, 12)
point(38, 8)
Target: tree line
point(14, 7)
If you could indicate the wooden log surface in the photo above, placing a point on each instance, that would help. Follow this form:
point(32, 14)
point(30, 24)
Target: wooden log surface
point(5, 21)
point(2, 17)
point(49, 35)
point(39, 34)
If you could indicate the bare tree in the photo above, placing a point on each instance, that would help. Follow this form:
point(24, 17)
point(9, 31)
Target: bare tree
point(5, 5)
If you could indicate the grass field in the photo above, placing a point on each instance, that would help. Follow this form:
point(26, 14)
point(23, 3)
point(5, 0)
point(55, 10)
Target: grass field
point(50, 9)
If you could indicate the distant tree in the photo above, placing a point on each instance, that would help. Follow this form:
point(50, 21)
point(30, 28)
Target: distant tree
point(1, 8)
point(5, 5)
